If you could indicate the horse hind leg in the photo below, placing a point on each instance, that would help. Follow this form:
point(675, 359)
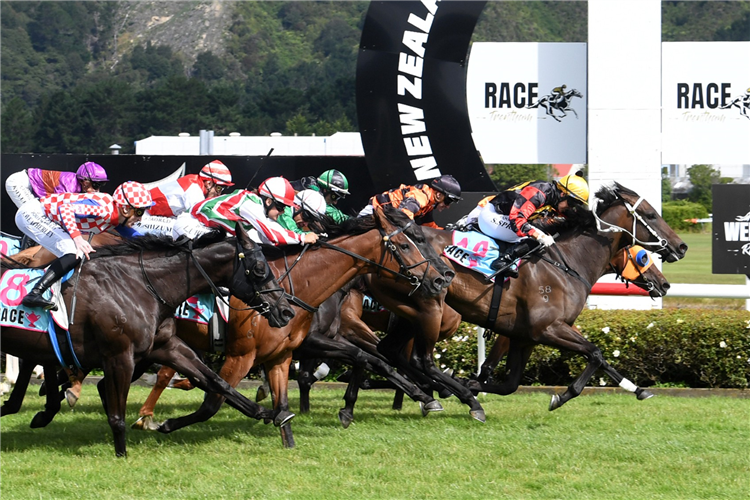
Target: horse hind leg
point(595, 361)
point(626, 384)
point(14, 402)
point(52, 406)
point(146, 421)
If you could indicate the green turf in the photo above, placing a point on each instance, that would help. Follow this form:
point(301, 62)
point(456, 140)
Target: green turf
point(595, 447)
point(696, 266)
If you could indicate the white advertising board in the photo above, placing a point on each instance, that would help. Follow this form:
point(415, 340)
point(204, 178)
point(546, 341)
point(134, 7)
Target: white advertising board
point(527, 102)
point(705, 102)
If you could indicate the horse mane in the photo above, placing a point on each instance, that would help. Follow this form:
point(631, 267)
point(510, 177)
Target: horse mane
point(578, 218)
point(610, 194)
point(151, 242)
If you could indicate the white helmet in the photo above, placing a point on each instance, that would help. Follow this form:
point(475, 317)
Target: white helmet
point(311, 201)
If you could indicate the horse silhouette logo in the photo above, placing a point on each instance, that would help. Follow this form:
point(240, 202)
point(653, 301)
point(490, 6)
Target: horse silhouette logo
point(742, 102)
point(558, 100)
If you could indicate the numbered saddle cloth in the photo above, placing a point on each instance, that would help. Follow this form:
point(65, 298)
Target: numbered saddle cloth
point(15, 284)
point(475, 251)
point(198, 308)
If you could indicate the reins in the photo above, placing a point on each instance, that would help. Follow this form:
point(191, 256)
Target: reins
point(614, 228)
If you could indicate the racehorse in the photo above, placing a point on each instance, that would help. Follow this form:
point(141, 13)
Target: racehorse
point(126, 298)
point(356, 326)
point(561, 103)
point(388, 243)
point(541, 305)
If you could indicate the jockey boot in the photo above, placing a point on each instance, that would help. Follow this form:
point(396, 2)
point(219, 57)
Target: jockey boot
point(517, 251)
point(57, 270)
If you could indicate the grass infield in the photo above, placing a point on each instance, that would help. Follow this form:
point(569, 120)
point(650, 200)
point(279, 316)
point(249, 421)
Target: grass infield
point(594, 447)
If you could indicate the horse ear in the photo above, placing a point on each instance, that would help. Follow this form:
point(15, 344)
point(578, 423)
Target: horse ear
point(242, 236)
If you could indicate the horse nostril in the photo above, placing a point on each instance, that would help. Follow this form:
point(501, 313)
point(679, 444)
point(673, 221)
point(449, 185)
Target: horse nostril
point(450, 274)
point(439, 282)
point(288, 314)
point(666, 286)
point(683, 248)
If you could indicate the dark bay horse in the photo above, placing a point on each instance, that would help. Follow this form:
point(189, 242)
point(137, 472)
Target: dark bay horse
point(126, 298)
point(541, 305)
point(388, 243)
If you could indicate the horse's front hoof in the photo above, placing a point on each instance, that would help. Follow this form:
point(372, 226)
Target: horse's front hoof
point(71, 398)
point(554, 402)
point(40, 420)
point(261, 394)
point(478, 415)
point(146, 423)
point(644, 394)
point(346, 418)
point(282, 418)
point(428, 408)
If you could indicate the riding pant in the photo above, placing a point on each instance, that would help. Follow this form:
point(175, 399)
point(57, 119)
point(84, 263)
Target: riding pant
point(497, 225)
point(19, 189)
point(33, 222)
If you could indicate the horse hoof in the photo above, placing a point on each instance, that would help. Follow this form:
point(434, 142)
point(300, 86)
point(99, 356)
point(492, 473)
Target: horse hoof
point(39, 421)
point(433, 405)
point(345, 418)
point(282, 418)
point(147, 423)
point(478, 415)
point(554, 402)
point(645, 395)
point(71, 398)
point(261, 394)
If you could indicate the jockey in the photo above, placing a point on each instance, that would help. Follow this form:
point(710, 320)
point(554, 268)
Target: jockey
point(34, 183)
point(176, 197)
point(419, 200)
point(309, 205)
point(506, 216)
point(333, 185)
point(59, 223)
point(254, 210)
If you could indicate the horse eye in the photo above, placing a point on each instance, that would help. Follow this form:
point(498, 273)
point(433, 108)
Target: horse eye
point(404, 246)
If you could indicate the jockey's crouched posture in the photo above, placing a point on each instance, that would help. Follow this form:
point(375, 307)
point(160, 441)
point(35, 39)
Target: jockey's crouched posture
point(506, 216)
point(58, 221)
point(419, 200)
point(254, 210)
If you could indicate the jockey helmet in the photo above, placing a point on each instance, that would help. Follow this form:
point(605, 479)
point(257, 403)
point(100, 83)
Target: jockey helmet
point(575, 186)
point(133, 194)
point(278, 189)
point(311, 201)
point(335, 181)
point(91, 171)
point(449, 186)
point(217, 172)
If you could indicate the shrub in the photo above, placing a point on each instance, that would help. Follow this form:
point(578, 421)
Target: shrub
point(694, 348)
point(675, 213)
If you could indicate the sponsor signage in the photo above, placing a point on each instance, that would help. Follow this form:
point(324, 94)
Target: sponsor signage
point(528, 102)
point(411, 93)
point(705, 102)
point(731, 229)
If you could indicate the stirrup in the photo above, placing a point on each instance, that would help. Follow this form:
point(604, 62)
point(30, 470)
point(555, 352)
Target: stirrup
point(36, 300)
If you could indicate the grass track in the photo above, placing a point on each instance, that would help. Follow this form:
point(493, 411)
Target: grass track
point(595, 447)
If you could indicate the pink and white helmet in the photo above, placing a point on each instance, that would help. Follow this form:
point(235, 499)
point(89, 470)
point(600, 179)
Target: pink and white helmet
point(133, 194)
point(311, 201)
point(217, 172)
point(278, 189)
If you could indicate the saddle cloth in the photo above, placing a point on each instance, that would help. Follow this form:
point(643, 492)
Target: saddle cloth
point(198, 308)
point(475, 251)
point(16, 315)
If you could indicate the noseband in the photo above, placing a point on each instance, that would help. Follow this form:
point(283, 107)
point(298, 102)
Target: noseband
point(405, 270)
point(661, 243)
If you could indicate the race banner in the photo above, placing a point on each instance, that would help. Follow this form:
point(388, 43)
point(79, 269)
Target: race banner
point(731, 229)
point(411, 93)
point(705, 102)
point(528, 102)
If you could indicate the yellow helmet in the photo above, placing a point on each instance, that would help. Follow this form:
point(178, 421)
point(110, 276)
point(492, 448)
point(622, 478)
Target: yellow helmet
point(575, 187)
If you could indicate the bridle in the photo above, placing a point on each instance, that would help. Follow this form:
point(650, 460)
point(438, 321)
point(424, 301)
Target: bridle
point(661, 242)
point(641, 280)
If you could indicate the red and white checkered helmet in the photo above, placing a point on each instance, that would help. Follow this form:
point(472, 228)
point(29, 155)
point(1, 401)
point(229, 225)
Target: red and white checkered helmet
point(133, 194)
point(278, 189)
point(217, 172)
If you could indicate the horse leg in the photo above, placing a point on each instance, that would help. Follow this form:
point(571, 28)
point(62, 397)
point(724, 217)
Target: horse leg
point(499, 349)
point(278, 378)
point(52, 406)
point(73, 392)
point(118, 373)
point(518, 356)
point(346, 414)
point(625, 383)
point(13, 404)
point(305, 380)
point(263, 389)
point(398, 400)
point(146, 420)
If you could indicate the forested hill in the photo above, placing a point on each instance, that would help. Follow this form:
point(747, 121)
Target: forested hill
point(80, 76)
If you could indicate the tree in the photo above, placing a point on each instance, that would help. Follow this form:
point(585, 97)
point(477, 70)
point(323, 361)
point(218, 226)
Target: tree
point(18, 128)
point(505, 176)
point(702, 177)
point(666, 185)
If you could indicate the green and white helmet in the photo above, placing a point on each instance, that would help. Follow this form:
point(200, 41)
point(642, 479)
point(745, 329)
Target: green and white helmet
point(334, 181)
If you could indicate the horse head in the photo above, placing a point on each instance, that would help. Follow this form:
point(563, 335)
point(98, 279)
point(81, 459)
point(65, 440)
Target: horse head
point(408, 245)
point(254, 283)
point(634, 216)
point(635, 265)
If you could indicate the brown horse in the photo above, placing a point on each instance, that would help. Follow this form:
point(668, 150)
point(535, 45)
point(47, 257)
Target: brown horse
point(541, 305)
point(389, 243)
point(126, 298)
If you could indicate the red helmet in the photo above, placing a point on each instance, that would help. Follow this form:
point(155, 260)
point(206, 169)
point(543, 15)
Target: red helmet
point(278, 189)
point(217, 172)
point(133, 194)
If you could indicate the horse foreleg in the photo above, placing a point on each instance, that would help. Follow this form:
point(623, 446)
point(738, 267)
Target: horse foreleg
point(625, 383)
point(499, 349)
point(13, 404)
point(518, 357)
point(118, 373)
point(52, 406)
point(278, 379)
point(305, 380)
point(346, 414)
point(146, 421)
